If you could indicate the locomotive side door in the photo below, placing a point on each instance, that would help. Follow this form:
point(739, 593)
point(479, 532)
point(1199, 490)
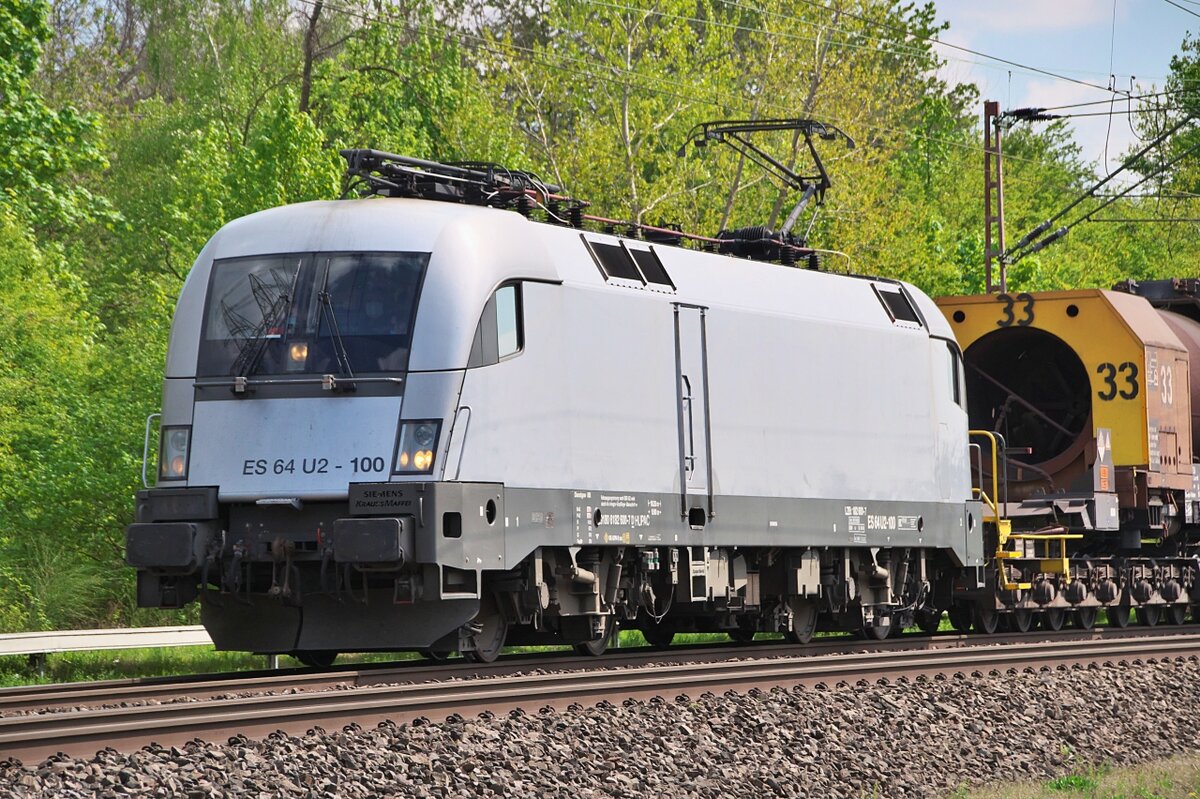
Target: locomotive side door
point(691, 382)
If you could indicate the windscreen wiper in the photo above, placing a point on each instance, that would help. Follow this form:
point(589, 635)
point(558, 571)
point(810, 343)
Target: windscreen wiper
point(274, 314)
point(339, 347)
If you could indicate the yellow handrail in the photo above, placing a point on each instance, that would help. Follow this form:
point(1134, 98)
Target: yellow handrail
point(991, 503)
point(1057, 564)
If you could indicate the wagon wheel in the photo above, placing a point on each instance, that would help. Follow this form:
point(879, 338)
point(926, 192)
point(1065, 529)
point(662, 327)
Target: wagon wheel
point(436, 655)
point(1021, 620)
point(1053, 619)
point(493, 630)
point(1084, 618)
point(317, 658)
point(1118, 615)
point(984, 619)
point(599, 646)
point(804, 621)
point(1148, 615)
point(1176, 614)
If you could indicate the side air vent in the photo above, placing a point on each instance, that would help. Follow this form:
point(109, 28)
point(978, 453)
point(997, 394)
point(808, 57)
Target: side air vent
point(899, 308)
point(615, 261)
point(652, 268)
point(629, 263)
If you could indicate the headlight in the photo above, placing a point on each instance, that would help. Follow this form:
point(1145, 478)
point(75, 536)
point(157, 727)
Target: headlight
point(297, 356)
point(415, 447)
point(173, 453)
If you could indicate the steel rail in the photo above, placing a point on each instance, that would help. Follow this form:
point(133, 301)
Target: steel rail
point(33, 737)
point(25, 699)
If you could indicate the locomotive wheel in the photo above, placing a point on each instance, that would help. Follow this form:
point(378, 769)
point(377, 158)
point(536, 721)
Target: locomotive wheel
point(929, 620)
point(1053, 619)
point(876, 632)
point(984, 619)
point(960, 617)
point(741, 635)
point(1021, 620)
point(804, 621)
point(1118, 616)
point(599, 646)
point(490, 639)
point(659, 635)
point(1148, 615)
point(316, 658)
point(1084, 618)
point(1176, 614)
point(436, 655)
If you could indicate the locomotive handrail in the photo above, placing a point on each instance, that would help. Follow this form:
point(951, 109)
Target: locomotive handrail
point(146, 448)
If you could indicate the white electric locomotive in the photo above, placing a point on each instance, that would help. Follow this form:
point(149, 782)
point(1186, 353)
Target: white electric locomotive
point(402, 423)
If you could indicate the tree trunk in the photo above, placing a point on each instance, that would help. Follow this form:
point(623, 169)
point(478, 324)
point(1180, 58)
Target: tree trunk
point(310, 49)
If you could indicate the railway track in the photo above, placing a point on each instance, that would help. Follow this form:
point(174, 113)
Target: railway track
point(301, 700)
point(75, 696)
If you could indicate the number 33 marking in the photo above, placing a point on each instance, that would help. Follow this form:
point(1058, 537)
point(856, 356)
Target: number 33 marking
point(1009, 317)
point(1128, 371)
point(1167, 383)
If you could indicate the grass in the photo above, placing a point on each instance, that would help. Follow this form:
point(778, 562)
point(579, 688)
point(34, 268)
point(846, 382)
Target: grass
point(1174, 778)
point(155, 662)
point(1074, 782)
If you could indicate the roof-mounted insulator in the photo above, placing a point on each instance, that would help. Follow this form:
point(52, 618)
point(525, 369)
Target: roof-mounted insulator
point(787, 256)
point(758, 243)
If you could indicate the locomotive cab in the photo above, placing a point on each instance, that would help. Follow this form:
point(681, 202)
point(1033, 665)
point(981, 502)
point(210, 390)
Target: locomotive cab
point(307, 419)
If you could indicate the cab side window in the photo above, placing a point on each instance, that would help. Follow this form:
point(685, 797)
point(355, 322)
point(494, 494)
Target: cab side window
point(957, 378)
point(500, 333)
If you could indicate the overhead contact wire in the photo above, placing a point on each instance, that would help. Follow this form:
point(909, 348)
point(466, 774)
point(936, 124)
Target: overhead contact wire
point(475, 40)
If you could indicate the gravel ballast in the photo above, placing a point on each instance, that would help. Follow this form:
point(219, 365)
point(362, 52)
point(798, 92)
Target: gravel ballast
point(924, 737)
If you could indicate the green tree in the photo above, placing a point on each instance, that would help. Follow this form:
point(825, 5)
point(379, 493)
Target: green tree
point(48, 346)
point(44, 149)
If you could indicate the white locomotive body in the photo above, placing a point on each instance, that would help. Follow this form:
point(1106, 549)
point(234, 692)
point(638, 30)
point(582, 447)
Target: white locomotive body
point(407, 424)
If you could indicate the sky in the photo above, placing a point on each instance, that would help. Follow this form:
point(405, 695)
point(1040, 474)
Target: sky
point(1077, 39)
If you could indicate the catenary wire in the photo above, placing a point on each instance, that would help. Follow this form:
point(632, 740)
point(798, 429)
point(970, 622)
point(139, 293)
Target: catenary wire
point(1112, 49)
point(1106, 100)
point(937, 41)
point(1184, 9)
point(485, 44)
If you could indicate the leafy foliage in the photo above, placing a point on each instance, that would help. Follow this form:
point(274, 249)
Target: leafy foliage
point(43, 147)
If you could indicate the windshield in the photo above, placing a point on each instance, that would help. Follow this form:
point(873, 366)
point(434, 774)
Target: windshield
point(310, 313)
